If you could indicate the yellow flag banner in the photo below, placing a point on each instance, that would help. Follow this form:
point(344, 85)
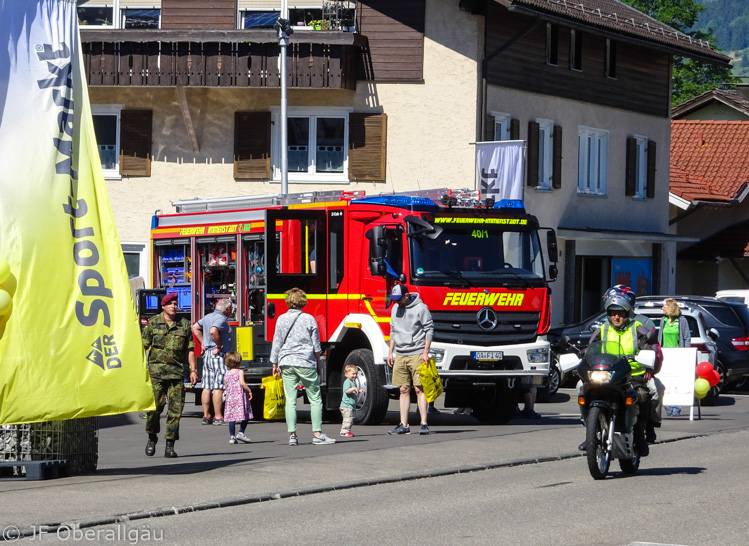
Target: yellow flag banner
point(69, 335)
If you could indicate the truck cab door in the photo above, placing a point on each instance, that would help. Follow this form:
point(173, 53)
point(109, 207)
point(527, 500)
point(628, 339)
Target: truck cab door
point(296, 257)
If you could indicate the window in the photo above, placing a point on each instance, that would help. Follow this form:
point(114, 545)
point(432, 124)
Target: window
point(96, 15)
point(501, 126)
point(317, 145)
point(135, 259)
point(545, 153)
point(610, 58)
point(641, 167)
point(107, 130)
point(141, 18)
point(592, 161)
point(576, 49)
point(552, 44)
point(258, 19)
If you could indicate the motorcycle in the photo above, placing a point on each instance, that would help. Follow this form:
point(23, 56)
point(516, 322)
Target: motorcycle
point(611, 400)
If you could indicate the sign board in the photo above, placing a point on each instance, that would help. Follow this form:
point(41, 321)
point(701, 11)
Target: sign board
point(677, 375)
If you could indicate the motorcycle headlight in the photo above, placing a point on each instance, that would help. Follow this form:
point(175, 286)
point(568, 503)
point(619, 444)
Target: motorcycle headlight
point(598, 376)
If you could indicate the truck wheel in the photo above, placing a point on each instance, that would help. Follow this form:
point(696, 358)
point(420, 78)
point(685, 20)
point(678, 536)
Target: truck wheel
point(372, 405)
point(496, 406)
point(544, 394)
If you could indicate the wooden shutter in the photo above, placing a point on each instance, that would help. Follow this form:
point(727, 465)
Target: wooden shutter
point(651, 169)
point(135, 142)
point(252, 145)
point(532, 171)
point(514, 129)
point(367, 147)
point(556, 174)
point(489, 129)
point(630, 177)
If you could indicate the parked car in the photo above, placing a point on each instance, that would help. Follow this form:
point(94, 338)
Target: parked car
point(579, 334)
point(731, 321)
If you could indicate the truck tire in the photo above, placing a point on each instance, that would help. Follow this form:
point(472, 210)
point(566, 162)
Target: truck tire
point(373, 404)
point(496, 406)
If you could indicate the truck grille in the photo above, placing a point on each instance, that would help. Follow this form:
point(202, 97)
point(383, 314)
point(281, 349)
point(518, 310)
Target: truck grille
point(462, 327)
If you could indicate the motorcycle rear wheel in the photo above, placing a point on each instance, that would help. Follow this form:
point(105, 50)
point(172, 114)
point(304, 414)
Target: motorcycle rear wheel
point(596, 439)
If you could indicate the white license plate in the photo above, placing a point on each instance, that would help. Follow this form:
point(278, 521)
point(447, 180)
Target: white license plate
point(487, 355)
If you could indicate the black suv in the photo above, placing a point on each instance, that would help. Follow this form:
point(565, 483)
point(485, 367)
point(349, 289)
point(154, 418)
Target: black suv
point(731, 320)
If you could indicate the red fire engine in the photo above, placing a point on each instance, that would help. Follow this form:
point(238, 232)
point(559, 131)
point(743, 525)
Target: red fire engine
point(478, 265)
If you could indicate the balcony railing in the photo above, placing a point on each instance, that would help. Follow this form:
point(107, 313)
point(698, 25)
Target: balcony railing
point(241, 58)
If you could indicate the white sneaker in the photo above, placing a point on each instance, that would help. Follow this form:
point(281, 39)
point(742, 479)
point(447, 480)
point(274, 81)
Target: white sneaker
point(322, 440)
point(232, 440)
point(242, 438)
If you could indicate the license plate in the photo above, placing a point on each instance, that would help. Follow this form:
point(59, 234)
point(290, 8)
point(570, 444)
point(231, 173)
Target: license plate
point(487, 355)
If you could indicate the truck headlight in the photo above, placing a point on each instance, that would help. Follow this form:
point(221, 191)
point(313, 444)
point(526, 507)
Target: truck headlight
point(536, 356)
point(439, 355)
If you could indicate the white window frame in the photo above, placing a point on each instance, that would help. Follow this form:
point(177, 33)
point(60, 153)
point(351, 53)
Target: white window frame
point(545, 158)
point(501, 125)
point(311, 176)
point(592, 161)
point(641, 167)
point(139, 249)
point(111, 110)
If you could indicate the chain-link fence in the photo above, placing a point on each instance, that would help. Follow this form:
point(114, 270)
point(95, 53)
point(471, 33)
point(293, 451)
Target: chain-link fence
point(73, 441)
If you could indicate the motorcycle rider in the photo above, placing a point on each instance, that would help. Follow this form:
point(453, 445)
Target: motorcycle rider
point(624, 328)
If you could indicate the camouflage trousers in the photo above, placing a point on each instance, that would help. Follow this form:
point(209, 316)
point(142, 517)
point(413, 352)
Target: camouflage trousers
point(172, 393)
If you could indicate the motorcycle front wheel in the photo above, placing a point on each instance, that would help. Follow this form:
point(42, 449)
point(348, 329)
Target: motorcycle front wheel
point(596, 439)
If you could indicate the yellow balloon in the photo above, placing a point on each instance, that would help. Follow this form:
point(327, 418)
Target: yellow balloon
point(5, 302)
point(701, 387)
point(4, 270)
point(10, 284)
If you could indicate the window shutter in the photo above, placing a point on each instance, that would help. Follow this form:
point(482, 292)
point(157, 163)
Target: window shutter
point(367, 147)
point(651, 169)
point(532, 171)
point(252, 145)
point(489, 129)
point(514, 129)
point(135, 142)
point(630, 177)
point(556, 174)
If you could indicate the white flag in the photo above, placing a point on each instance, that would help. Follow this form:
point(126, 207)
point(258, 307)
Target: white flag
point(499, 168)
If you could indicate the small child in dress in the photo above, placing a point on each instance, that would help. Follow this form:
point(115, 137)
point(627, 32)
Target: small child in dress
point(348, 399)
point(237, 408)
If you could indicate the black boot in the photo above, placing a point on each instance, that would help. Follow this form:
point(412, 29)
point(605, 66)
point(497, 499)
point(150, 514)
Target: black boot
point(169, 452)
point(583, 446)
point(650, 432)
point(151, 445)
point(641, 444)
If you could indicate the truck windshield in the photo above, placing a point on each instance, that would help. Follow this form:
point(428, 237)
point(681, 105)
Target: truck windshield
point(478, 255)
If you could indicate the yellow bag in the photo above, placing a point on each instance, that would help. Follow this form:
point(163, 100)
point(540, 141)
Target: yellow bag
point(275, 400)
point(430, 380)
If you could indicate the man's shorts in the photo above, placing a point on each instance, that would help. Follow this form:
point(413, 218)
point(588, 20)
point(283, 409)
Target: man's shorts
point(406, 370)
point(213, 371)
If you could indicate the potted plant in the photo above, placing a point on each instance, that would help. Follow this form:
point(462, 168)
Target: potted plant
point(320, 24)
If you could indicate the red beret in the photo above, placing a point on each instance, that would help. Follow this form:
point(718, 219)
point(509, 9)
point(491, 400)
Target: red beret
point(169, 297)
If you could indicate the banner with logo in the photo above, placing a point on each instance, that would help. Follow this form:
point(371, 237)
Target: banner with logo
point(69, 336)
point(499, 168)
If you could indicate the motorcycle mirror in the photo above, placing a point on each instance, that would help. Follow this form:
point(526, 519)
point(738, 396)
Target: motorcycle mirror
point(646, 357)
point(568, 361)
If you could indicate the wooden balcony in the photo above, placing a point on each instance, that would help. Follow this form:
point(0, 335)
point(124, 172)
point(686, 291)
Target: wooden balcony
point(230, 58)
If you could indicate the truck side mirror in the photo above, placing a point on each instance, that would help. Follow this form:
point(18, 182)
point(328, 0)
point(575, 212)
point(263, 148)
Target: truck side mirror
point(553, 272)
point(551, 245)
point(377, 247)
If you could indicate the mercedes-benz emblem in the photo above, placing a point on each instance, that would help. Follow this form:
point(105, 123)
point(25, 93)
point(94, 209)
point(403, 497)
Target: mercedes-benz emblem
point(487, 319)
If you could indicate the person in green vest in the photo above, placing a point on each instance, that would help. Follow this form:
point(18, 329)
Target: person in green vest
point(626, 331)
point(674, 332)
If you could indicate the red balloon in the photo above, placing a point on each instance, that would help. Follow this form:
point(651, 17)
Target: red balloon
point(705, 370)
point(714, 378)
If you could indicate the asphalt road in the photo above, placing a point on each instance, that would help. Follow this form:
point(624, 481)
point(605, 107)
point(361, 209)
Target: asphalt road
point(522, 483)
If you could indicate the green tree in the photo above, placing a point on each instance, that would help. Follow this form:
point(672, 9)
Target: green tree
point(690, 77)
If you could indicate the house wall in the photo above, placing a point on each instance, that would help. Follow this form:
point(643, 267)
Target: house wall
point(565, 207)
point(430, 128)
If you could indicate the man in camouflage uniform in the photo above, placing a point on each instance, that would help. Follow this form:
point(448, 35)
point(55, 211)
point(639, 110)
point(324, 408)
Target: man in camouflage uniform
point(168, 339)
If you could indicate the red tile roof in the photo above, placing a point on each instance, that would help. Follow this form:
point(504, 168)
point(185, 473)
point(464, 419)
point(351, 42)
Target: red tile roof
point(619, 18)
point(709, 159)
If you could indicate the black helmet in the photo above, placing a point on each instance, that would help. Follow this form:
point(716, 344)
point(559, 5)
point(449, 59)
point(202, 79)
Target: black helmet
point(616, 301)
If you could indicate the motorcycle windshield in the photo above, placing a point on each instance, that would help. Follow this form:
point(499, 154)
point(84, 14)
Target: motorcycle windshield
point(605, 354)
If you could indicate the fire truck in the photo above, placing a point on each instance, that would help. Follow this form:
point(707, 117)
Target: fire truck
point(477, 264)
